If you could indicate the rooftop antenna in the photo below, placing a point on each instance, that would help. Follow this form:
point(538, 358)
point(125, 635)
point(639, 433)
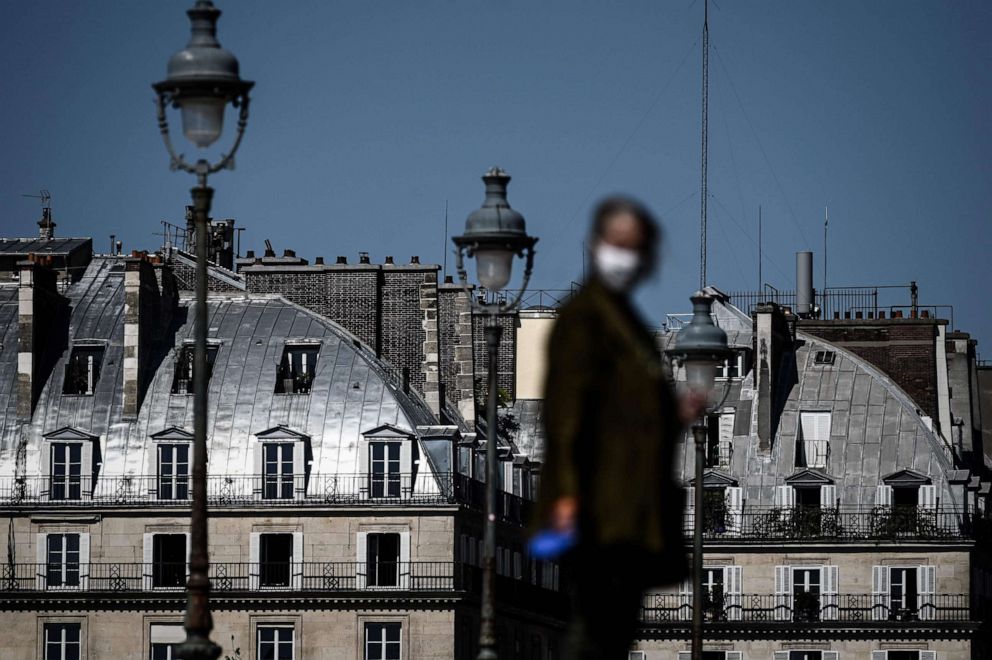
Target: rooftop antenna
point(444, 246)
point(761, 284)
point(826, 222)
point(45, 197)
point(705, 145)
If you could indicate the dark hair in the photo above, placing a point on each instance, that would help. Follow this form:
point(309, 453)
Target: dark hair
point(615, 205)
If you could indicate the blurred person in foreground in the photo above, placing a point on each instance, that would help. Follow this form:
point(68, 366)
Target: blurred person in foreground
point(612, 419)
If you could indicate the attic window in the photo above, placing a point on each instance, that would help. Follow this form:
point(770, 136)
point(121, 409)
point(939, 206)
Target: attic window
point(182, 379)
point(82, 371)
point(824, 357)
point(296, 369)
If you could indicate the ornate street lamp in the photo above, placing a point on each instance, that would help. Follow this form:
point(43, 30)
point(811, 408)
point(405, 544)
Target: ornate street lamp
point(494, 235)
point(700, 347)
point(202, 79)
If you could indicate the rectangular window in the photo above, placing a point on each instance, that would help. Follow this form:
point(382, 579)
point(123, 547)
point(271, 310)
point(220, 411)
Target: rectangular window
point(805, 655)
point(732, 368)
point(62, 561)
point(382, 641)
point(824, 357)
point(296, 369)
point(813, 446)
point(82, 370)
point(168, 561)
point(66, 469)
point(162, 651)
point(384, 469)
point(173, 471)
point(277, 470)
point(164, 638)
point(382, 560)
point(62, 641)
point(275, 556)
point(275, 642)
point(806, 594)
point(182, 378)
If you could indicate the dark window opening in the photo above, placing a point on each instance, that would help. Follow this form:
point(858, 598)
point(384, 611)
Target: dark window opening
point(173, 471)
point(66, 470)
point(275, 642)
point(806, 594)
point(712, 440)
point(62, 641)
point(182, 379)
point(805, 655)
point(384, 469)
point(82, 371)
point(163, 651)
point(168, 560)
point(382, 560)
point(714, 510)
point(903, 655)
point(908, 498)
point(296, 370)
point(277, 471)
point(275, 556)
point(903, 601)
point(62, 569)
point(824, 357)
point(382, 641)
point(808, 498)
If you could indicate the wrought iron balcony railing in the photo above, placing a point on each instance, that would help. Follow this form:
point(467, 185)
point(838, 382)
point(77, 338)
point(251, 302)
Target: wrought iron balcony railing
point(269, 490)
point(676, 609)
point(892, 523)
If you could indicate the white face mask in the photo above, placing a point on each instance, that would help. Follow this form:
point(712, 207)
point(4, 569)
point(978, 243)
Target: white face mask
point(617, 267)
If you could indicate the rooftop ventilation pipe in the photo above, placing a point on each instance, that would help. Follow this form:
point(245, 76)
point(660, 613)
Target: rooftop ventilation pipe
point(804, 284)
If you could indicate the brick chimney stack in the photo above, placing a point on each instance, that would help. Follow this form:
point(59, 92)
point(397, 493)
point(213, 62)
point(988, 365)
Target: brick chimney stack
point(772, 350)
point(46, 226)
point(147, 314)
point(43, 319)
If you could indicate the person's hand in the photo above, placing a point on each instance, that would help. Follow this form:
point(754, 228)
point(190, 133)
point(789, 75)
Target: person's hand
point(564, 513)
point(691, 406)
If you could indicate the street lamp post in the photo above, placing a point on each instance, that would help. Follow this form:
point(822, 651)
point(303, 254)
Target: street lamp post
point(494, 235)
point(700, 347)
point(202, 79)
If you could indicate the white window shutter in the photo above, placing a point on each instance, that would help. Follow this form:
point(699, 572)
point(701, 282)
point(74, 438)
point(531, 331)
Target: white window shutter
point(928, 496)
point(84, 560)
point(147, 556)
point(781, 655)
point(880, 591)
point(189, 548)
point(299, 476)
point(883, 495)
point(253, 558)
point(926, 587)
point(783, 593)
point(685, 601)
point(879, 655)
point(361, 559)
point(928, 655)
point(828, 655)
point(726, 438)
point(829, 579)
point(785, 496)
point(732, 579)
point(828, 496)
point(41, 557)
point(296, 562)
point(404, 571)
point(735, 508)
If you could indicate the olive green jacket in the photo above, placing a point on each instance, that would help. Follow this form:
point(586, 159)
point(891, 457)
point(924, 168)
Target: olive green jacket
point(612, 423)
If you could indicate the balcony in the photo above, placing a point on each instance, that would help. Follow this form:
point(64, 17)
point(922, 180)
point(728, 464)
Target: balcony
point(823, 609)
point(758, 525)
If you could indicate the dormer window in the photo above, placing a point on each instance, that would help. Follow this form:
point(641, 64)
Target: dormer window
point(82, 371)
point(182, 379)
point(813, 440)
point(283, 457)
point(390, 456)
point(72, 458)
point(173, 453)
point(735, 367)
point(297, 368)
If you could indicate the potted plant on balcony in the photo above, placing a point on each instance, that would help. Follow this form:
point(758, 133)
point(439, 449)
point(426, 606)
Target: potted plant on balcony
point(302, 382)
point(714, 604)
point(806, 606)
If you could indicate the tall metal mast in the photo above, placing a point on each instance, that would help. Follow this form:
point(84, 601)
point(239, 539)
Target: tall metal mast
point(705, 146)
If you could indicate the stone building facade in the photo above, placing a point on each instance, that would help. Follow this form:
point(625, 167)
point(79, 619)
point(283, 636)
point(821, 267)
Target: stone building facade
point(345, 511)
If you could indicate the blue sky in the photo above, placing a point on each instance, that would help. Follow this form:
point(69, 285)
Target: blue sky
point(367, 117)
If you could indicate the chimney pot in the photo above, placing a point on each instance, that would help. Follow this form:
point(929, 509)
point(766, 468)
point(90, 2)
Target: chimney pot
point(250, 254)
point(836, 316)
point(363, 257)
point(389, 260)
point(858, 315)
point(924, 313)
point(881, 314)
point(448, 279)
point(288, 253)
point(318, 261)
point(847, 315)
point(897, 314)
point(415, 259)
point(342, 260)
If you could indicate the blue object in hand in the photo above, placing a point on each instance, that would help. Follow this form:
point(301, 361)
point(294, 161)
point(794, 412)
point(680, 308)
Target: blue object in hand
point(549, 544)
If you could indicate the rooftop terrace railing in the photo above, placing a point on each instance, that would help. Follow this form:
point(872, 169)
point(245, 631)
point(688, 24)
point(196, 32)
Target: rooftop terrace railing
point(806, 608)
point(884, 523)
